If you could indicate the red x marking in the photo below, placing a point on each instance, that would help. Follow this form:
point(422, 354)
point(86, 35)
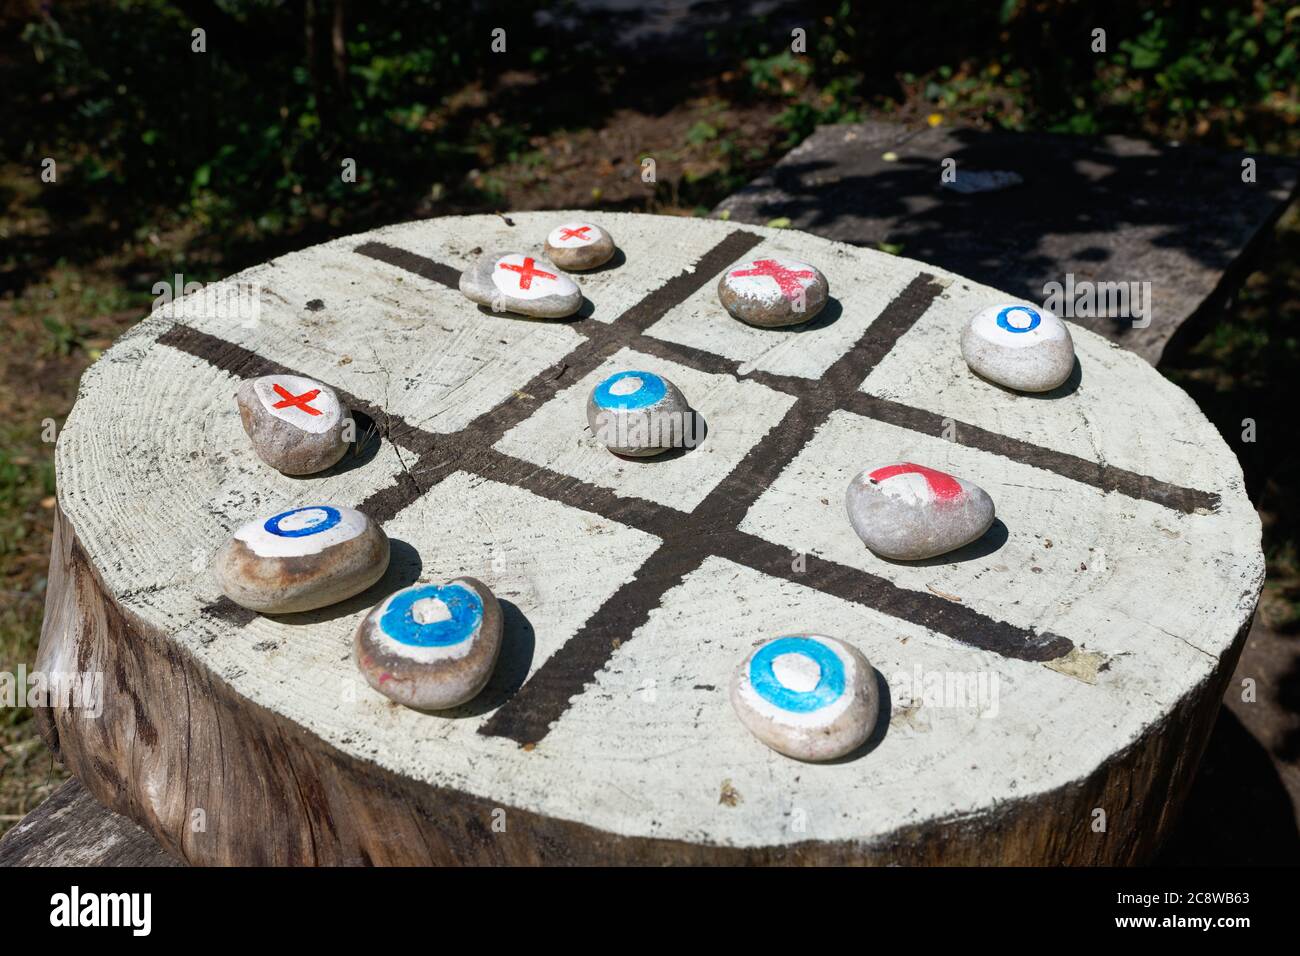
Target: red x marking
point(297, 401)
point(526, 272)
point(787, 279)
point(945, 487)
point(567, 233)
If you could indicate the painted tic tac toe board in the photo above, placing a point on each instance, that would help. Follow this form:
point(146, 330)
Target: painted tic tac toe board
point(1106, 605)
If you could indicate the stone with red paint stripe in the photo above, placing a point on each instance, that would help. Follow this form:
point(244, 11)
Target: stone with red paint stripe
point(520, 283)
point(296, 425)
point(908, 512)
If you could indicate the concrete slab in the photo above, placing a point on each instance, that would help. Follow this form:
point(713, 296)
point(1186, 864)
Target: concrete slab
point(1108, 210)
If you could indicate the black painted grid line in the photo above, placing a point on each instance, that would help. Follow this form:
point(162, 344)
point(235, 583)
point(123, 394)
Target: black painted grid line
point(875, 346)
point(941, 615)
point(426, 268)
point(528, 716)
point(601, 340)
point(1106, 477)
point(711, 530)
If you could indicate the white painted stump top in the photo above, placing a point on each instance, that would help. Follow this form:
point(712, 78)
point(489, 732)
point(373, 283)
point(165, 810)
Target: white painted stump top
point(1125, 560)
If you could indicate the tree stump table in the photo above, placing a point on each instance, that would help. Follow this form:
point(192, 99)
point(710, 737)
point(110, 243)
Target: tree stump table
point(1046, 691)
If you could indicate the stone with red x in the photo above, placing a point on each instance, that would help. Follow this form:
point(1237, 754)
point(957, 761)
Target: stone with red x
point(908, 512)
point(296, 425)
point(773, 291)
point(519, 283)
point(528, 271)
point(290, 400)
point(575, 246)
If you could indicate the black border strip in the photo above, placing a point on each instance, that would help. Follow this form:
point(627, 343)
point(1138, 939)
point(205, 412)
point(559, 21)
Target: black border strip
point(1105, 477)
point(408, 261)
point(941, 615)
point(711, 530)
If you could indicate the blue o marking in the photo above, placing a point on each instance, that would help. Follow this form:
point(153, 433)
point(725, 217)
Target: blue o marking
point(1005, 323)
point(330, 519)
point(830, 687)
point(466, 610)
point(652, 389)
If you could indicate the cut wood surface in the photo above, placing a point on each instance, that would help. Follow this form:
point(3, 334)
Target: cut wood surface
point(1101, 616)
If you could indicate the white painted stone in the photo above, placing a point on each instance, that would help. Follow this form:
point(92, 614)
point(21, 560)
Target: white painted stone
point(807, 696)
point(295, 424)
point(639, 413)
point(431, 646)
point(909, 512)
point(520, 283)
point(1019, 345)
point(325, 402)
point(579, 245)
point(458, 240)
point(864, 282)
point(297, 536)
point(301, 559)
point(773, 291)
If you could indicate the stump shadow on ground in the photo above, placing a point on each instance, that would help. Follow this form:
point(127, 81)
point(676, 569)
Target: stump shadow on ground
point(1237, 812)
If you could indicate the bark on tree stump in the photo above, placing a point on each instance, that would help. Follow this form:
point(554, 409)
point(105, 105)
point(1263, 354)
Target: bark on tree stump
point(1108, 604)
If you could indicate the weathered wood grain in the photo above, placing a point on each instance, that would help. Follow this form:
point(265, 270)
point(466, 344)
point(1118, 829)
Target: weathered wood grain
point(71, 828)
point(624, 615)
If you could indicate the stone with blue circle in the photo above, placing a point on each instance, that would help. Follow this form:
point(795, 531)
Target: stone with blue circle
point(301, 559)
point(463, 608)
point(303, 522)
point(829, 687)
point(432, 646)
point(1019, 346)
point(624, 390)
point(1019, 318)
point(807, 696)
point(640, 413)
